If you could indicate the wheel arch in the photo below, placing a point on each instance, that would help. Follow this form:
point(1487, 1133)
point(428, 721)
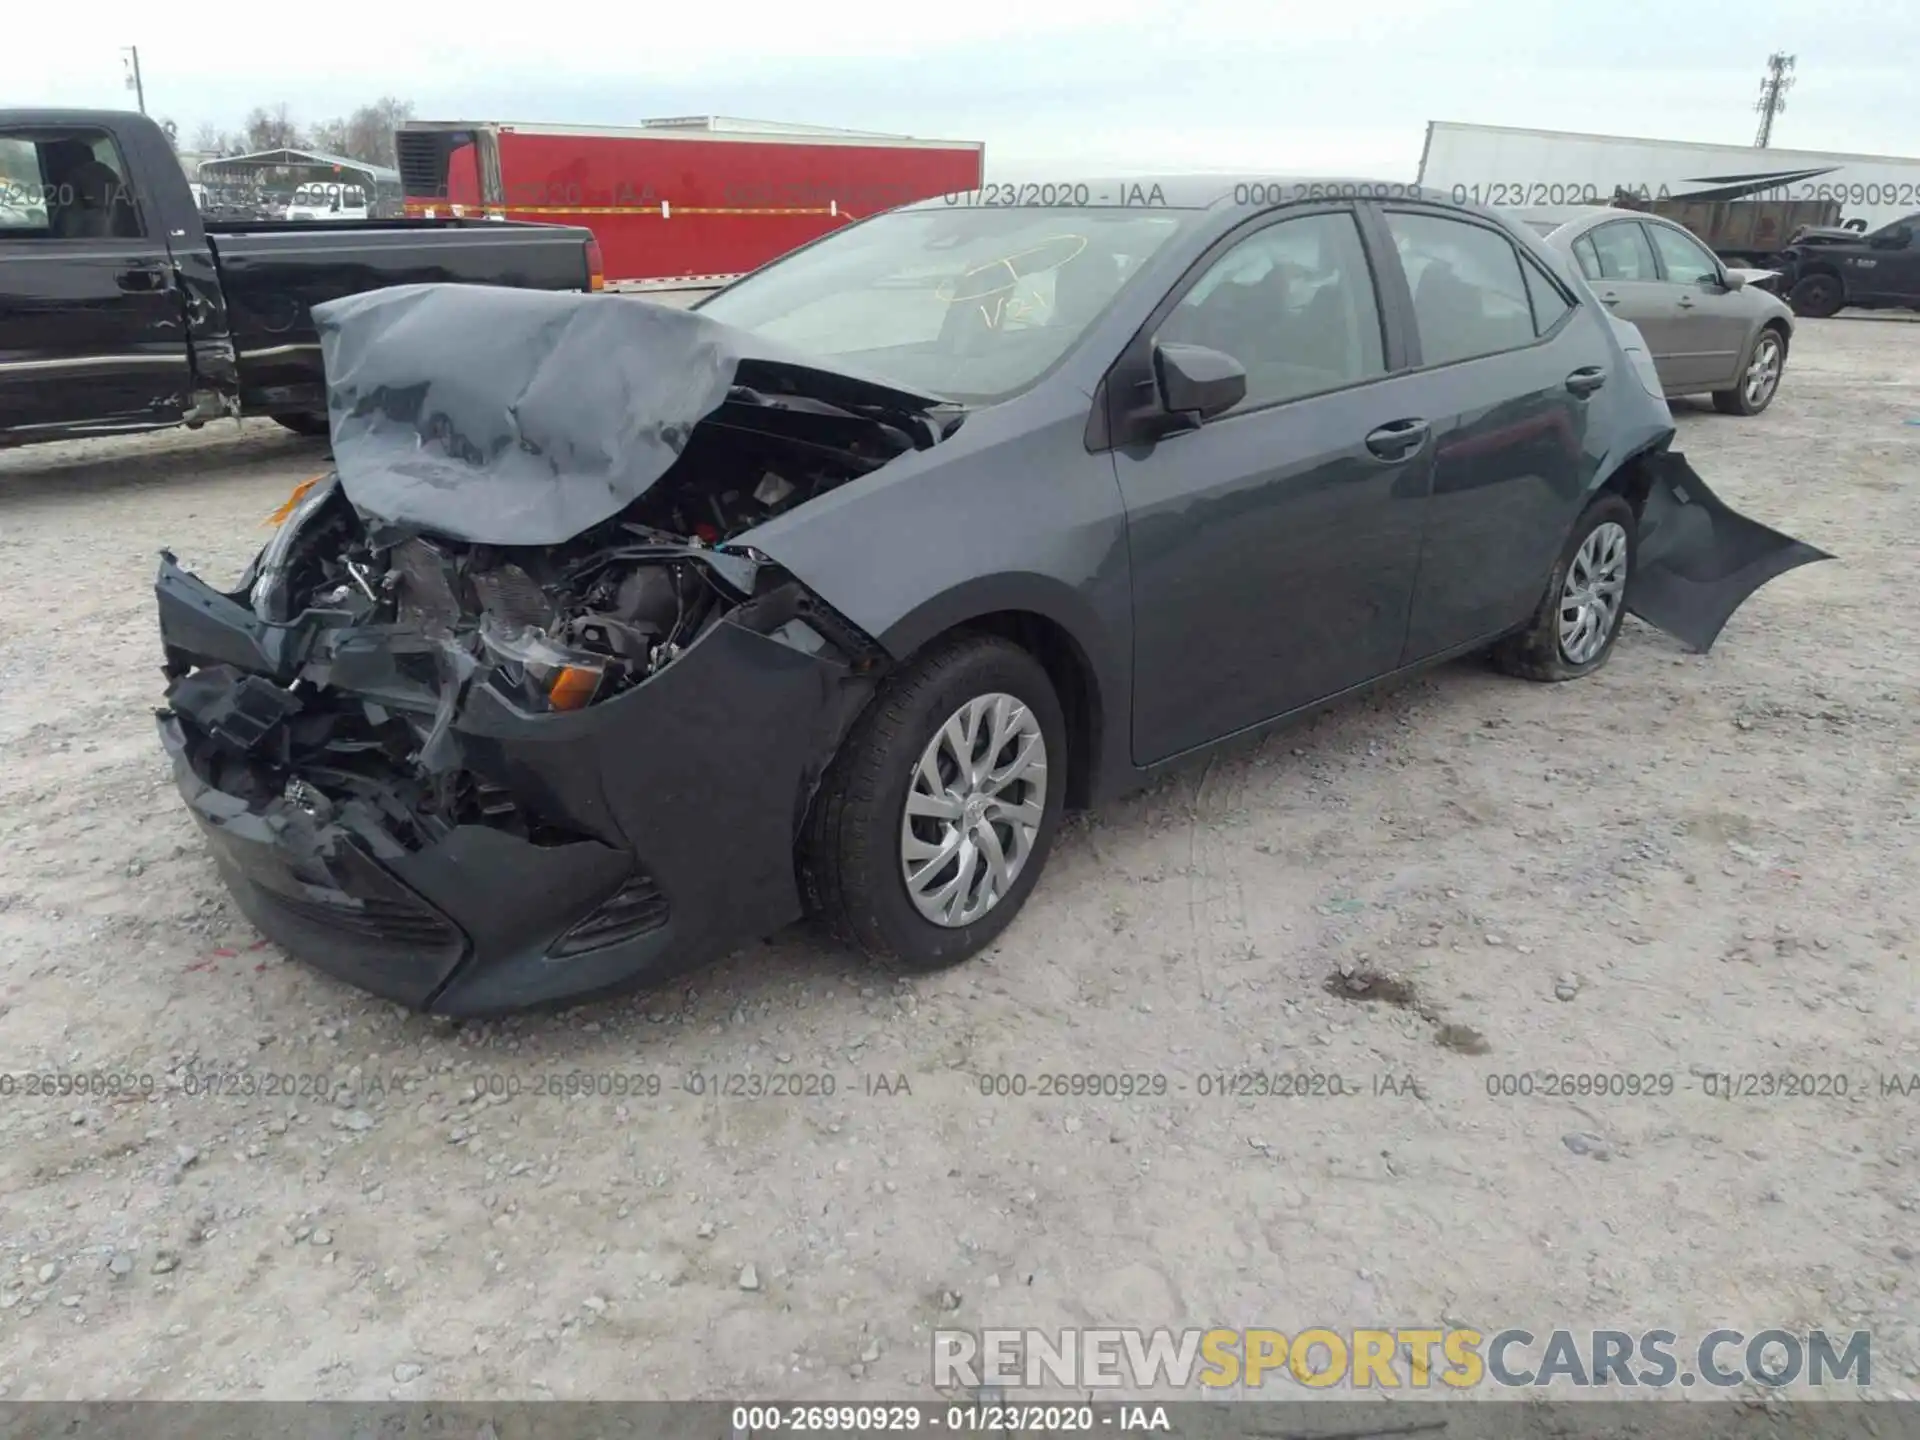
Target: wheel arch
point(1054, 624)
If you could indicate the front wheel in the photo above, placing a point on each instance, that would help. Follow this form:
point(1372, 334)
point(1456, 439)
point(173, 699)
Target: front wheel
point(935, 819)
point(1573, 629)
point(1759, 377)
point(1817, 297)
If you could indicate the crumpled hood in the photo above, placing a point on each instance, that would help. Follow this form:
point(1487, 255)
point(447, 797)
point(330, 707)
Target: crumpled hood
point(1825, 235)
point(523, 417)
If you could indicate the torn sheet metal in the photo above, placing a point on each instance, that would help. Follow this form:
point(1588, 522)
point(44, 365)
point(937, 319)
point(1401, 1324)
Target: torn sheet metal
point(1699, 560)
point(523, 417)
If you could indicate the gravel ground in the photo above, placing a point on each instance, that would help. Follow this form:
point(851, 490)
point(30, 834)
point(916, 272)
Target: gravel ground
point(1685, 864)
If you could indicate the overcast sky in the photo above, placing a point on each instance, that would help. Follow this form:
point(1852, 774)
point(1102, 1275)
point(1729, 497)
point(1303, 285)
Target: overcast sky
point(1092, 85)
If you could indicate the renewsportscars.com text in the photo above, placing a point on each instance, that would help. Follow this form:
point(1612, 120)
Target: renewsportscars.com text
point(1399, 1358)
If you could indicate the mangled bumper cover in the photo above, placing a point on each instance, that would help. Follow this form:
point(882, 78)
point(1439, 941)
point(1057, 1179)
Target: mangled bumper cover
point(1700, 560)
point(667, 813)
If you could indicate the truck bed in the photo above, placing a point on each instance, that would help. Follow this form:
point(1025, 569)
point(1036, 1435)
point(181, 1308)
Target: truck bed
point(272, 273)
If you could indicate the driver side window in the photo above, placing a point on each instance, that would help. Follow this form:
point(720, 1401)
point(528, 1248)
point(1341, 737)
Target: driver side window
point(1294, 304)
point(1686, 261)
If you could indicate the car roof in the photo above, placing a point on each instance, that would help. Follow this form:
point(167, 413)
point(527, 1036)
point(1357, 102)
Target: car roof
point(1180, 191)
point(1570, 221)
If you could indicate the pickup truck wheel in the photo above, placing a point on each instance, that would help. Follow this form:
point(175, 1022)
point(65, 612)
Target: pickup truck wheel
point(1817, 297)
point(934, 821)
point(308, 423)
point(1573, 629)
point(1759, 378)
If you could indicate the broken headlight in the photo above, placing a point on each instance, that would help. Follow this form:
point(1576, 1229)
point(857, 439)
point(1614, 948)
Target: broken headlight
point(538, 673)
point(270, 572)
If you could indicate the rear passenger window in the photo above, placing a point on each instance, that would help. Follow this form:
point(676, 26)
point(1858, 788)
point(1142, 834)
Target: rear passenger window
point(1623, 252)
point(1587, 258)
point(1294, 304)
point(1548, 303)
point(1469, 293)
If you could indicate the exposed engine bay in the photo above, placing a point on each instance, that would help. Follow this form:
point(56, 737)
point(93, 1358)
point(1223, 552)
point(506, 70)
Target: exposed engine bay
point(397, 623)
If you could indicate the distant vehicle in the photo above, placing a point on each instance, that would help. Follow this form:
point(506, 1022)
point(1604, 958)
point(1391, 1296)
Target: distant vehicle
point(329, 201)
point(167, 317)
point(1740, 232)
point(1745, 203)
point(678, 202)
point(1825, 271)
point(1708, 331)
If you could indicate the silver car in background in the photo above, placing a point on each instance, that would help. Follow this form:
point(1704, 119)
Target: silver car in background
point(1710, 332)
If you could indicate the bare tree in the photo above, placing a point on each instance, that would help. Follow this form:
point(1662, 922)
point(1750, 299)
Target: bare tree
point(330, 136)
point(207, 138)
point(366, 134)
point(272, 129)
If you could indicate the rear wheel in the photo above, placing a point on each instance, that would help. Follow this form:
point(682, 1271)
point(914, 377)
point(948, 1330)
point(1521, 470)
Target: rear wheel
point(1759, 377)
point(1573, 629)
point(935, 819)
point(305, 423)
point(1817, 297)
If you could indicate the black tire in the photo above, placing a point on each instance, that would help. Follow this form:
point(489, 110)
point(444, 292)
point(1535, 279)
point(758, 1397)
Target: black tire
point(1535, 652)
point(1736, 400)
point(1817, 297)
point(850, 854)
point(306, 423)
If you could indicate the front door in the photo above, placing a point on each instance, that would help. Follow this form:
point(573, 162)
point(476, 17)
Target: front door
point(92, 330)
point(1713, 321)
point(1888, 270)
point(1274, 546)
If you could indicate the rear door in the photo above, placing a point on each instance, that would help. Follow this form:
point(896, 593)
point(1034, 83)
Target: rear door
point(1710, 331)
point(91, 325)
point(1507, 362)
point(1617, 259)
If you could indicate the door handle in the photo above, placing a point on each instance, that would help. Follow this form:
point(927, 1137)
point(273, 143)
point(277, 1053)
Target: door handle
point(1686, 302)
point(140, 280)
point(1587, 379)
point(1399, 439)
point(1610, 297)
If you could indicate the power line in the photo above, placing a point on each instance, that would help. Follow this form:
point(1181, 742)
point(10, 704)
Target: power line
point(1773, 95)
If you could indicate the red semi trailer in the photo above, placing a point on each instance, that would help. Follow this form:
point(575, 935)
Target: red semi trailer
point(686, 202)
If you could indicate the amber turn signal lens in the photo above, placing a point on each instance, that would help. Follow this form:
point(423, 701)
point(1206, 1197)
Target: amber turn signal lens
point(573, 687)
point(279, 517)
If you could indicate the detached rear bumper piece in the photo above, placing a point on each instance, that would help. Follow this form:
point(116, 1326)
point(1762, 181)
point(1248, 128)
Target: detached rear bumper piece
point(537, 858)
point(1700, 560)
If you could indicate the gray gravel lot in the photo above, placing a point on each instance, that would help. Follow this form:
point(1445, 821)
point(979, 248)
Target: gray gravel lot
point(1686, 864)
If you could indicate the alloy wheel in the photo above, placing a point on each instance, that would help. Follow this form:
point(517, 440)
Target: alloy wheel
point(1595, 587)
point(1763, 371)
point(973, 808)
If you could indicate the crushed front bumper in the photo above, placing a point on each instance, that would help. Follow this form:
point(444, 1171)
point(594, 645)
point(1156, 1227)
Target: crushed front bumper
point(655, 830)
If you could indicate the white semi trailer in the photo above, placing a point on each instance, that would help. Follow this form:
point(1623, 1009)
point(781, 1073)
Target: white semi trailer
point(1745, 202)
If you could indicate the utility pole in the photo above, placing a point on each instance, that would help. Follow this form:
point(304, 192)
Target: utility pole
point(133, 77)
point(1773, 95)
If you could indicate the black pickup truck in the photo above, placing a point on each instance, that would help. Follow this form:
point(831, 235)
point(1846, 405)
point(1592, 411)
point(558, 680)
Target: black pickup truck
point(122, 308)
point(1825, 270)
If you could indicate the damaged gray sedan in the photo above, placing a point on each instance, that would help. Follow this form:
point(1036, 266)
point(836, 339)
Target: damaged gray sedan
point(621, 635)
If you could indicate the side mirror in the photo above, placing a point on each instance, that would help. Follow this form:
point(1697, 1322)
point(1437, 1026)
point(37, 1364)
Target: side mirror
point(1898, 238)
point(1732, 280)
point(1197, 382)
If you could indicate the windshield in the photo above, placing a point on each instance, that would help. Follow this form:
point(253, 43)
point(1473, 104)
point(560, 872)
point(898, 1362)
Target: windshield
point(967, 304)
